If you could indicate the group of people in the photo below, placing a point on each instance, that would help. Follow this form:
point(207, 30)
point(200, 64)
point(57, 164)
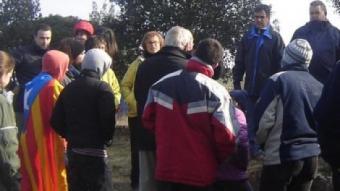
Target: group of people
point(187, 131)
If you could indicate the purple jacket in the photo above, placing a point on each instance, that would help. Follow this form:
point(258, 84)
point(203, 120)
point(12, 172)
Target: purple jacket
point(235, 168)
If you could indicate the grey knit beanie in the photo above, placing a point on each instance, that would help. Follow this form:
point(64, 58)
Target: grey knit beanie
point(97, 60)
point(297, 52)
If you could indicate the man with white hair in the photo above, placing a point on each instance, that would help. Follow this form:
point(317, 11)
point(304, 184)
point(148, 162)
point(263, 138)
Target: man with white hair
point(286, 129)
point(172, 57)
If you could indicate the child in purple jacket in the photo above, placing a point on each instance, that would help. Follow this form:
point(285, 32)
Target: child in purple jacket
point(232, 175)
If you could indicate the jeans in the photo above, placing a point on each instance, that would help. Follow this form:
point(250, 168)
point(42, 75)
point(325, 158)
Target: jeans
point(289, 176)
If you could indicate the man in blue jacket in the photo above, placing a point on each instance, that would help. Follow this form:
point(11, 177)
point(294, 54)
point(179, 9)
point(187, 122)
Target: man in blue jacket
point(258, 57)
point(324, 39)
point(284, 121)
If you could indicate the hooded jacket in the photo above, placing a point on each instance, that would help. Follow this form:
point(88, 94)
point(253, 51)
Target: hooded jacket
point(106, 74)
point(85, 111)
point(41, 148)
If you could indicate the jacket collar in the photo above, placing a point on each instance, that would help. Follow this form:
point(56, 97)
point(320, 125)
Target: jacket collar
point(295, 67)
point(38, 50)
point(174, 51)
point(318, 25)
point(197, 65)
point(89, 73)
point(254, 32)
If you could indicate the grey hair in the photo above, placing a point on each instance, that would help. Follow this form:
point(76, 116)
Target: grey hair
point(178, 37)
point(319, 3)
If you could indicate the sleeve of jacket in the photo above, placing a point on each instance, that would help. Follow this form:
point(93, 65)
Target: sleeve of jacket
point(58, 117)
point(111, 79)
point(149, 113)
point(17, 54)
point(224, 128)
point(265, 112)
point(127, 83)
point(240, 65)
point(106, 108)
point(240, 158)
point(277, 54)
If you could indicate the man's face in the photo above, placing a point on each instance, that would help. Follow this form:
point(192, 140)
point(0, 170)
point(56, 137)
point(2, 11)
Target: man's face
point(43, 39)
point(261, 19)
point(316, 13)
point(152, 44)
point(82, 36)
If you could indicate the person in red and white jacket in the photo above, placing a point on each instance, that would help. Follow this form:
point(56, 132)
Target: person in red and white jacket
point(194, 122)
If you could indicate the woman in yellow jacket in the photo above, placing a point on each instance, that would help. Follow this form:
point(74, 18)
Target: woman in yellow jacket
point(152, 42)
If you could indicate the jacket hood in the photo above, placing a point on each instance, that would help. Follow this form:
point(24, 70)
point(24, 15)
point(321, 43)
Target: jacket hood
point(97, 60)
point(55, 63)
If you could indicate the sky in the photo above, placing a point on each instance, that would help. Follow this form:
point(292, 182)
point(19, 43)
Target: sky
point(290, 13)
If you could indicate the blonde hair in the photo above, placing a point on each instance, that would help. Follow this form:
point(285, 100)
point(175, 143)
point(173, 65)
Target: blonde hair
point(6, 63)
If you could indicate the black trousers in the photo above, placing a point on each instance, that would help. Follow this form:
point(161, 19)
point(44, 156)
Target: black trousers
point(87, 173)
point(170, 186)
point(290, 176)
point(336, 179)
point(134, 176)
point(241, 185)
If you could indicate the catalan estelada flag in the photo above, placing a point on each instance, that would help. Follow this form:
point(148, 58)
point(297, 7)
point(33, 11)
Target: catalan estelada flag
point(41, 148)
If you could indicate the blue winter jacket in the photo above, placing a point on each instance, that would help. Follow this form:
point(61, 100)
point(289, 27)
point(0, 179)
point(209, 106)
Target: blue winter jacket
point(284, 121)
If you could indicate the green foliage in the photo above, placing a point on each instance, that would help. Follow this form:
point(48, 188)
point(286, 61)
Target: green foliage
point(16, 17)
point(336, 4)
point(16, 11)
point(224, 20)
point(19, 18)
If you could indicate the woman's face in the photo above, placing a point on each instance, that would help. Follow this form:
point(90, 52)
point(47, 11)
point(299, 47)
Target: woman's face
point(152, 44)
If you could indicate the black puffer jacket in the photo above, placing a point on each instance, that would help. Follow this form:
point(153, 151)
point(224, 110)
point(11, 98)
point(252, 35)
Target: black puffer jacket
point(84, 113)
point(167, 60)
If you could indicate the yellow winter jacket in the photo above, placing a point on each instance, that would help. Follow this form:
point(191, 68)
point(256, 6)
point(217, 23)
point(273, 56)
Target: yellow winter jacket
point(110, 78)
point(128, 84)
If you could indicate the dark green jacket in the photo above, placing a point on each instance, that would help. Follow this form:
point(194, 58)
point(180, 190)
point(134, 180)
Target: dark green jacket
point(9, 160)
